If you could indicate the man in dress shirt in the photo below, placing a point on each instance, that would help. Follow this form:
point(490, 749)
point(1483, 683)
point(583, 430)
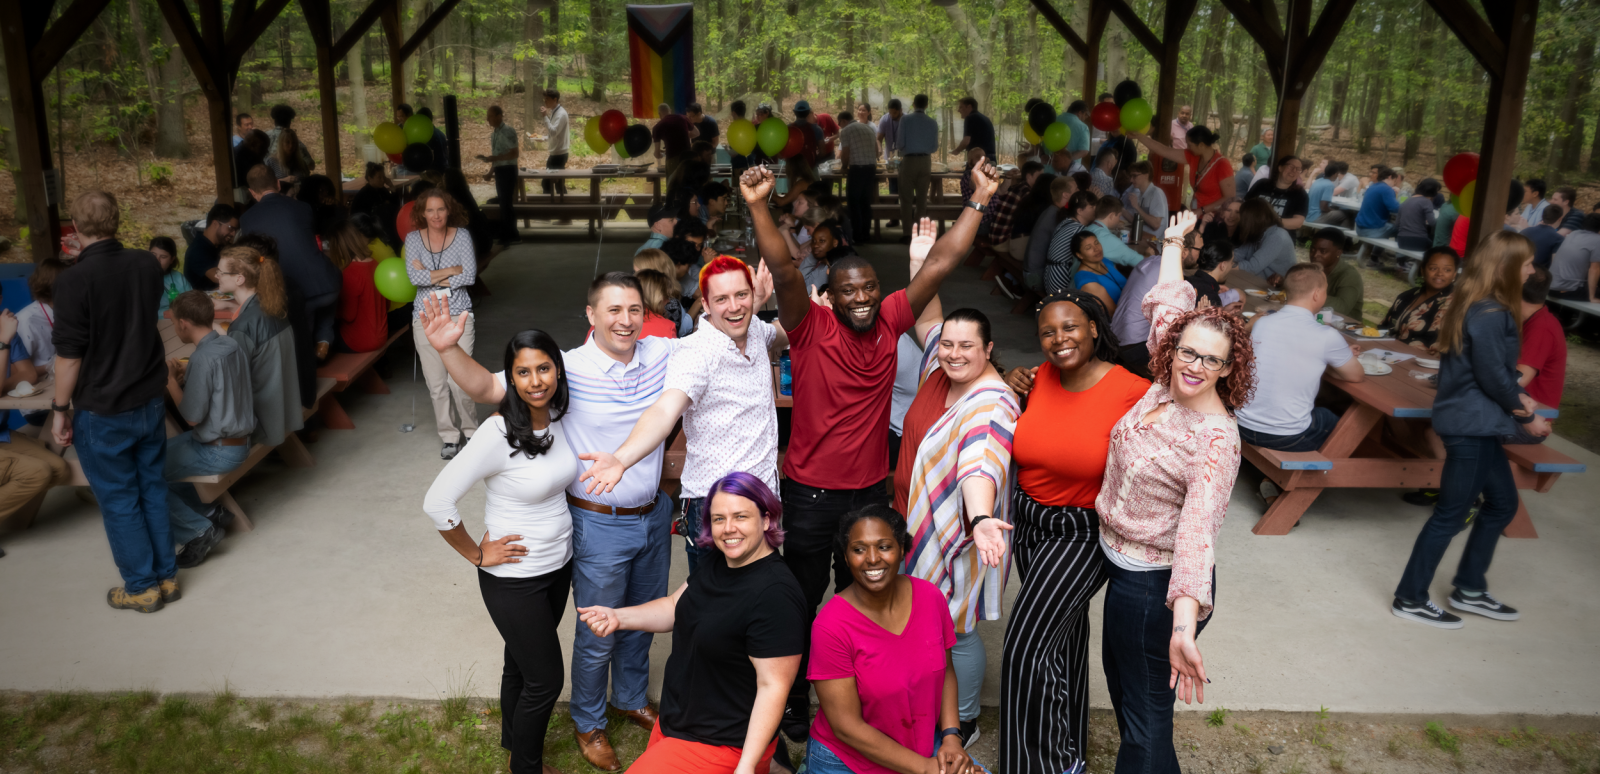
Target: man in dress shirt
point(918, 140)
point(504, 150)
point(621, 539)
point(858, 148)
point(558, 128)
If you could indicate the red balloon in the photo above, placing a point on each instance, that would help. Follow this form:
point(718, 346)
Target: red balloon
point(1461, 169)
point(395, 157)
point(612, 124)
point(797, 141)
point(1106, 116)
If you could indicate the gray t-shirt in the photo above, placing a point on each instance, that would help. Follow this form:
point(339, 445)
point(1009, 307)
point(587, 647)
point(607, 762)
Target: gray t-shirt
point(907, 370)
point(1292, 350)
point(216, 393)
point(1569, 269)
point(1415, 219)
point(1273, 254)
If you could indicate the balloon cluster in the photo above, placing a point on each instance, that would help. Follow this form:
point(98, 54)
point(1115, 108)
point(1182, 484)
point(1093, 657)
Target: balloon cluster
point(406, 144)
point(1128, 110)
point(1042, 128)
point(611, 129)
point(1461, 177)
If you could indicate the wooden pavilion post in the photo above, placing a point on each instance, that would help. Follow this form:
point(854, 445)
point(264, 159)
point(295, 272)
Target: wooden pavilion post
point(393, 36)
point(1294, 50)
point(319, 19)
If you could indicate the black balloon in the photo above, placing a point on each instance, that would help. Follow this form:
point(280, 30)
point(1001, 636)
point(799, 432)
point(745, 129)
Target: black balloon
point(417, 157)
point(1041, 117)
point(636, 140)
point(1125, 91)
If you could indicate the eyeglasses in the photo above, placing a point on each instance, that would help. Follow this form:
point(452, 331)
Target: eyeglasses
point(1209, 362)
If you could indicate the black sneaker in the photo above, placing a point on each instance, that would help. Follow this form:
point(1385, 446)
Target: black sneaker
point(969, 732)
point(1426, 613)
point(1427, 497)
point(796, 722)
point(1484, 605)
point(195, 551)
point(448, 451)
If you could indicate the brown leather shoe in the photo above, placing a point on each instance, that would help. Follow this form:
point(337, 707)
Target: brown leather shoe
point(644, 718)
point(596, 749)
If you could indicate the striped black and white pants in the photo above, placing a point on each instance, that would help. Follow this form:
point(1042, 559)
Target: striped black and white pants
point(1044, 677)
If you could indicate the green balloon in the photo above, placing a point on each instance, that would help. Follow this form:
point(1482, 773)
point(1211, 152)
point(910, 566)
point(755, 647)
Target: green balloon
point(418, 128)
point(1056, 136)
point(1136, 115)
point(772, 136)
point(392, 282)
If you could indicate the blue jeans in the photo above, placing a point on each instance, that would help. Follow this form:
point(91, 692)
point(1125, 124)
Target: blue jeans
point(1382, 232)
point(691, 517)
point(187, 457)
point(1135, 632)
point(821, 760)
point(617, 561)
point(1307, 440)
point(970, 662)
point(123, 456)
point(1472, 465)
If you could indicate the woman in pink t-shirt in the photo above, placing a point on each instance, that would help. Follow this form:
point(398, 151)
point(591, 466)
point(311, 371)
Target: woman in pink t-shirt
point(880, 661)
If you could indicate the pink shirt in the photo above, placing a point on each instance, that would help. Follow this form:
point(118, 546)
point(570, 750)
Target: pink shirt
point(900, 678)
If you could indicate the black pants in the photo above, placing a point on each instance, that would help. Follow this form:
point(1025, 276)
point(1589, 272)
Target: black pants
point(505, 188)
point(556, 161)
point(1135, 631)
point(527, 611)
point(861, 189)
point(810, 520)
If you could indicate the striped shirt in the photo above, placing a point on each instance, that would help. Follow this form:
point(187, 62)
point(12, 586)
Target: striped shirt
point(457, 252)
point(606, 398)
point(1059, 261)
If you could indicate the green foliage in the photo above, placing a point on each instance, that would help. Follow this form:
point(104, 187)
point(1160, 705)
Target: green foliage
point(1442, 738)
point(157, 173)
point(1218, 717)
point(1319, 729)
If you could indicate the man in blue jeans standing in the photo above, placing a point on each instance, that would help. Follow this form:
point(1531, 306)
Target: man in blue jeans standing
point(109, 376)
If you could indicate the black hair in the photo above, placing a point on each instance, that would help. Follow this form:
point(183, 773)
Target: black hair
point(238, 118)
point(894, 104)
point(881, 512)
point(367, 225)
point(1214, 253)
point(166, 243)
point(1429, 188)
point(1248, 159)
point(1591, 222)
point(681, 251)
point(694, 107)
point(833, 227)
point(1442, 250)
point(1551, 215)
point(426, 111)
point(1031, 166)
point(968, 314)
point(1331, 234)
point(1515, 199)
point(847, 263)
point(971, 102)
point(1077, 106)
point(519, 420)
point(920, 102)
point(1536, 184)
point(1384, 173)
point(405, 107)
point(737, 108)
point(552, 94)
point(261, 243)
point(222, 211)
point(1536, 288)
point(661, 211)
point(418, 188)
point(1199, 133)
point(714, 190)
point(1105, 95)
point(689, 227)
point(282, 115)
point(1105, 342)
point(1077, 240)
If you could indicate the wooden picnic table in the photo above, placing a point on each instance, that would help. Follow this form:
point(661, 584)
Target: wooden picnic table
point(1384, 440)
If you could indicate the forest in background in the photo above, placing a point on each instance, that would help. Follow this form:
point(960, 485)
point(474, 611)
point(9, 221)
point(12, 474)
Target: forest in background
point(1396, 82)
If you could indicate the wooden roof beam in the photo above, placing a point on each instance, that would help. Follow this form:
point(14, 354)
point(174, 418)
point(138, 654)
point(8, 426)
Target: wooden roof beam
point(58, 39)
point(1051, 15)
point(243, 31)
point(1134, 24)
point(426, 28)
point(1309, 57)
point(359, 27)
point(193, 46)
point(1474, 33)
point(1266, 35)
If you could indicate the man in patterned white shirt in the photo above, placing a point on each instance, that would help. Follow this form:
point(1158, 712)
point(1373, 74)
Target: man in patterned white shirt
point(720, 382)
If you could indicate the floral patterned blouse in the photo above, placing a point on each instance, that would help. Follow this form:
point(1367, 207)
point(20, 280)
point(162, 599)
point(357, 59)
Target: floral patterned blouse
point(1417, 323)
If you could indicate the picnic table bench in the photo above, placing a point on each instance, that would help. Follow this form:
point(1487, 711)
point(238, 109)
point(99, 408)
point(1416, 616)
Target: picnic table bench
point(1583, 308)
point(350, 368)
point(1384, 439)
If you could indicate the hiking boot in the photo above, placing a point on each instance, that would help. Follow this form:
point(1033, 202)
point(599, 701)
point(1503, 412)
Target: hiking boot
point(147, 601)
point(1484, 605)
point(1426, 613)
point(169, 590)
point(195, 551)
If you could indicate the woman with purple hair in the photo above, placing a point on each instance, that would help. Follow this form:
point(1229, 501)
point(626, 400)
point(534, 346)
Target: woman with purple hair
point(738, 629)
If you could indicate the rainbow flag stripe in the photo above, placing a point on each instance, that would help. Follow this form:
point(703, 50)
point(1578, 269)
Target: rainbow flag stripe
point(661, 53)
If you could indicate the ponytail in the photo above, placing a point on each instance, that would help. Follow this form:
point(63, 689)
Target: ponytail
point(259, 273)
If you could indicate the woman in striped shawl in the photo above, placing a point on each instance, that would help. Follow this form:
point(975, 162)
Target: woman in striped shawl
point(954, 486)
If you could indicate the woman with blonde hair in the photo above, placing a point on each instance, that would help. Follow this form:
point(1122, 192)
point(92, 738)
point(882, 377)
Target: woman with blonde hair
point(654, 258)
point(1479, 403)
point(250, 271)
point(441, 261)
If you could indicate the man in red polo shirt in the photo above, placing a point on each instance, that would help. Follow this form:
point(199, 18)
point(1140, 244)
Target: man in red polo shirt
point(1542, 363)
point(843, 361)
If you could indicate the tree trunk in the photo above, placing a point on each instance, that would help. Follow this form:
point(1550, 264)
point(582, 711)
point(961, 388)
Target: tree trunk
point(1252, 129)
point(8, 135)
point(980, 50)
point(1031, 41)
point(532, 63)
point(1116, 53)
point(552, 31)
point(1225, 102)
point(366, 59)
point(1578, 84)
point(1073, 66)
point(358, 85)
point(597, 33)
point(172, 137)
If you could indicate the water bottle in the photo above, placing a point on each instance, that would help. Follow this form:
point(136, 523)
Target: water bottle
point(785, 378)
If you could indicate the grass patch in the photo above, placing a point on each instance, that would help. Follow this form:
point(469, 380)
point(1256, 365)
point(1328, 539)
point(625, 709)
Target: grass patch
point(1442, 738)
point(1217, 718)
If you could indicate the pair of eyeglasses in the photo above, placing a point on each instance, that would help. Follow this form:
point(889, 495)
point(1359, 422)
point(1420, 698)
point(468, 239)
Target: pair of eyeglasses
point(1208, 362)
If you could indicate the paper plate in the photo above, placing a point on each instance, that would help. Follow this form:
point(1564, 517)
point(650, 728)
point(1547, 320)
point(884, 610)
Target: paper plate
point(1375, 367)
point(1427, 363)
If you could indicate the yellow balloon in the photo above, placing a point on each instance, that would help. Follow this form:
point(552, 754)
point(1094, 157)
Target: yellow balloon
point(1466, 196)
point(592, 136)
point(742, 136)
point(1028, 133)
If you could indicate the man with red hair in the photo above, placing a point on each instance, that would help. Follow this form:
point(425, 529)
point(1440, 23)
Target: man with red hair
point(720, 382)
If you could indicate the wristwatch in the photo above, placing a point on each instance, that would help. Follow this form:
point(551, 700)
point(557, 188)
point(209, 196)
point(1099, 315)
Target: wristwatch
point(59, 409)
point(978, 518)
point(977, 206)
point(956, 732)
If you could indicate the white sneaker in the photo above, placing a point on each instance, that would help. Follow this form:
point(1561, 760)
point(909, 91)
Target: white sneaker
point(1003, 289)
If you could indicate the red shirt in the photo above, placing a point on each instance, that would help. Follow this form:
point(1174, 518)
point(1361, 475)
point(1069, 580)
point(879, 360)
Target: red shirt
point(402, 222)
point(843, 385)
point(1544, 347)
point(1208, 188)
point(656, 325)
point(363, 311)
point(1062, 438)
point(926, 408)
point(673, 134)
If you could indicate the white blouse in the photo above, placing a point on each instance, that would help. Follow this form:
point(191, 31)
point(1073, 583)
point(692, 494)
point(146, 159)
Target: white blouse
point(526, 497)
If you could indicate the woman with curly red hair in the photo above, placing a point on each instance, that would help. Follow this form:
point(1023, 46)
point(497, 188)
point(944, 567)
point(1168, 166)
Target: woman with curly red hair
point(1171, 465)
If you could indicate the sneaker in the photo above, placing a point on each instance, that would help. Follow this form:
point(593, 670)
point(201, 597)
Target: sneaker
point(1426, 497)
point(195, 551)
point(448, 452)
point(1426, 613)
point(1269, 491)
point(796, 722)
point(1484, 605)
point(169, 590)
point(1003, 289)
point(147, 601)
point(969, 732)
point(219, 516)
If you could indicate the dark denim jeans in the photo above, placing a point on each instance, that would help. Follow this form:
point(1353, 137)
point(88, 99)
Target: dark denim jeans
point(1136, 631)
point(1309, 439)
point(1473, 465)
point(861, 191)
point(123, 456)
point(691, 518)
point(505, 191)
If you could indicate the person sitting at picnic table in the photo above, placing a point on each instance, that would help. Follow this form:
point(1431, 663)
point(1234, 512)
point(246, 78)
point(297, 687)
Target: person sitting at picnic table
point(524, 558)
point(1170, 466)
point(956, 491)
point(738, 631)
point(1379, 205)
point(440, 260)
point(1281, 188)
point(1565, 199)
point(882, 660)
point(1061, 262)
point(1415, 222)
point(36, 321)
point(662, 310)
point(1210, 175)
point(1542, 361)
point(1575, 267)
point(1293, 352)
point(802, 177)
point(671, 135)
point(1246, 175)
point(663, 220)
point(313, 280)
point(252, 150)
point(1319, 197)
point(1479, 403)
point(28, 468)
point(1014, 187)
point(377, 196)
point(1222, 225)
point(1093, 275)
point(1417, 312)
point(1032, 206)
point(172, 280)
point(1211, 269)
point(1263, 247)
point(1444, 224)
point(714, 198)
point(1532, 207)
point(1544, 235)
point(1107, 225)
point(200, 260)
point(1345, 289)
point(1101, 174)
point(1037, 256)
point(251, 272)
point(1128, 322)
point(212, 391)
point(363, 311)
point(1147, 201)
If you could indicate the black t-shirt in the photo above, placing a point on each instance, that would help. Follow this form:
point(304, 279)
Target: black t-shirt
point(1207, 285)
point(708, 130)
point(981, 130)
point(1287, 202)
point(1572, 220)
point(725, 618)
point(201, 257)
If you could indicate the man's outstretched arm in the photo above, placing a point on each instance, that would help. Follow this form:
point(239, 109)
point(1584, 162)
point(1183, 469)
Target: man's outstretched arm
point(444, 333)
point(789, 286)
point(949, 250)
point(648, 433)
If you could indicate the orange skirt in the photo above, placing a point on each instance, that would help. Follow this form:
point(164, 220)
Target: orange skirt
point(666, 755)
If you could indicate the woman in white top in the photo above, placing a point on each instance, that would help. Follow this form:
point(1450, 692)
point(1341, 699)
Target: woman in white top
point(525, 556)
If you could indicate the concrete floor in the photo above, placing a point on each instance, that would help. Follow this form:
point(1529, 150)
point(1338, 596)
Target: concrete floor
point(344, 589)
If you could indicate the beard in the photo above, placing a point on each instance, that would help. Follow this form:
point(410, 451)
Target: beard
point(862, 326)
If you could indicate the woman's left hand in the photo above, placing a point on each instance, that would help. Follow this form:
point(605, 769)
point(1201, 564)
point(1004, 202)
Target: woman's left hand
point(1181, 223)
point(953, 759)
point(1188, 669)
point(989, 537)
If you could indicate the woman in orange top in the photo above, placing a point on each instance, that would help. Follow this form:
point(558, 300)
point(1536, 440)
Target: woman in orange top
point(1060, 447)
